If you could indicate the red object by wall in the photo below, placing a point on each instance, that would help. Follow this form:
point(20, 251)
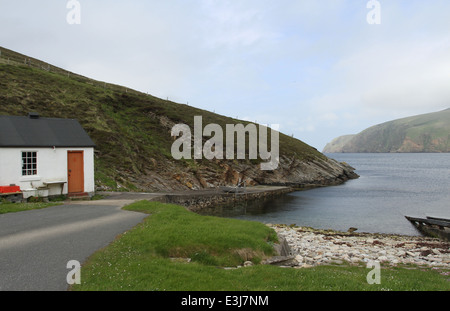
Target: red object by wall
point(9, 189)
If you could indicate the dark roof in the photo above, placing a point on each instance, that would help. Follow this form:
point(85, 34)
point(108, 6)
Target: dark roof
point(34, 131)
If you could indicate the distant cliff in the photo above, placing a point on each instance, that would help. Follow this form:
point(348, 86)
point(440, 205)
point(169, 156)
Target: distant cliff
point(337, 144)
point(422, 133)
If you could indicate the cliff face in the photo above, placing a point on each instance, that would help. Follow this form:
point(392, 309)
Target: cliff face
point(291, 172)
point(132, 132)
point(423, 133)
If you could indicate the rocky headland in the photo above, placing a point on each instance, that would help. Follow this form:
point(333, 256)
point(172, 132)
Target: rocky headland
point(429, 133)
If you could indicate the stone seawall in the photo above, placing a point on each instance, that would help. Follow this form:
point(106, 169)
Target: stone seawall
point(201, 200)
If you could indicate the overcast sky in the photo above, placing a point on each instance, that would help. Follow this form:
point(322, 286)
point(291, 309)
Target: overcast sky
point(315, 67)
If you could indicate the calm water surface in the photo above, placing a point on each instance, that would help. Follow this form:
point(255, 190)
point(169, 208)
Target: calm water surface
point(390, 187)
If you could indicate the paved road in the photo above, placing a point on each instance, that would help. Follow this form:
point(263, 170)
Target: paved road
point(35, 246)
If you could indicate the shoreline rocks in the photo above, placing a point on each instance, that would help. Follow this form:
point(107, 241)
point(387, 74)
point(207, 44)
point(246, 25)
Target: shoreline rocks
point(311, 247)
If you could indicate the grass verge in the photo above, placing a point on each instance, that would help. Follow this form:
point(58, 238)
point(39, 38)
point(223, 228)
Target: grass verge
point(143, 260)
point(22, 207)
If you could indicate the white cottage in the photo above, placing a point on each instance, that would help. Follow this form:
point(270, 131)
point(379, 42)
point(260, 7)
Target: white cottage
point(46, 156)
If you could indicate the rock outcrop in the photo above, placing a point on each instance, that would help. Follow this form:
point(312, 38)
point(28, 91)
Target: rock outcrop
point(291, 172)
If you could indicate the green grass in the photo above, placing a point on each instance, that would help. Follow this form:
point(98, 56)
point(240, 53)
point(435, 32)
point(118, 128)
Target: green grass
point(177, 232)
point(21, 207)
point(140, 260)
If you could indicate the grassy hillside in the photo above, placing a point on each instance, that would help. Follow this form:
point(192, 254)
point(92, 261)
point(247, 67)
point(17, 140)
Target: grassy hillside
point(131, 129)
point(422, 133)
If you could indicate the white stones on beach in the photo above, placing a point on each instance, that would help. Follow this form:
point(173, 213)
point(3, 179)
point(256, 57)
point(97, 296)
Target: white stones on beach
point(411, 254)
point(248, 264)
point(299, 258)
point(382, 259)
point(435, 251)
point(311, 247)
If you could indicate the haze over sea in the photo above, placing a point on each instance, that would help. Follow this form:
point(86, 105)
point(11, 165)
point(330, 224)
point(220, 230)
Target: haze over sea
point(391, 187)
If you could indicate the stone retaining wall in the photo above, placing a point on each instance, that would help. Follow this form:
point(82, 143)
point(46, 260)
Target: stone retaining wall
point(207, 199)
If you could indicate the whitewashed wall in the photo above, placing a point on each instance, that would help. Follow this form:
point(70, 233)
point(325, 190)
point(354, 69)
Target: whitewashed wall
point(52, 166)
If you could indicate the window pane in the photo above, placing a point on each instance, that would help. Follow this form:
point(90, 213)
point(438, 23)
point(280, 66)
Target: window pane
point(29, 163)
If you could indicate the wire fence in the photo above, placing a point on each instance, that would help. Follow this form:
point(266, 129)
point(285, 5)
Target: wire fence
point(13, 58)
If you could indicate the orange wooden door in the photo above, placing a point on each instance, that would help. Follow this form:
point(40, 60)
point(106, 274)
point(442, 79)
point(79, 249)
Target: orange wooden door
point(75, 180)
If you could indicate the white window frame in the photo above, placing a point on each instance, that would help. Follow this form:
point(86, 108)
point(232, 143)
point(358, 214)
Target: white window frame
point(30, 172)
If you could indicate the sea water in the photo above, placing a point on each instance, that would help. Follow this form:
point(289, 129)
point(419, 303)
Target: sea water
point(390, 187)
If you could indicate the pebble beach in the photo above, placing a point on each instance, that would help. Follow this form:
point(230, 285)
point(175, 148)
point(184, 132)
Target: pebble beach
point(312, 247)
